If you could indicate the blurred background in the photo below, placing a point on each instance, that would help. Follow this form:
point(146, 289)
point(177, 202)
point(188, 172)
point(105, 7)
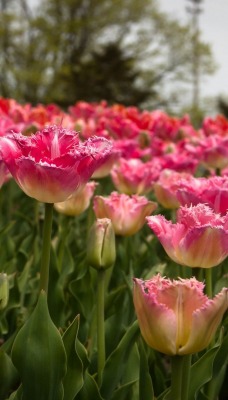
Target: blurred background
point(150, 54)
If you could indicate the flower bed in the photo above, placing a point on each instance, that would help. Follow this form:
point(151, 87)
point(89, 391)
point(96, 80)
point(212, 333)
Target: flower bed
point(99, 299)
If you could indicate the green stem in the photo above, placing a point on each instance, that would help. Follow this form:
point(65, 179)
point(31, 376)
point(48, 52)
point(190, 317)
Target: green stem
point(198, 272)
point(176, 378)
point(186, 376)
point(10, 184)
point(208, 277)
point(46, 248)
point(100, 323)
point(63, 232)
point(173, 215)
point(36, 215)
point(209, 292)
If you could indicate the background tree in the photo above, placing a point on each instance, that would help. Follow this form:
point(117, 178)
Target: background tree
point(106, 74)
point(222, 105)
point(124, 51)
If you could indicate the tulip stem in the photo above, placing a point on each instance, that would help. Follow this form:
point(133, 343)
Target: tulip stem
point(100, 323)
point(176, 377)
point(63, 231)
point(186, 364)
point(46, 247)
point(208, 278)
point(180, 377)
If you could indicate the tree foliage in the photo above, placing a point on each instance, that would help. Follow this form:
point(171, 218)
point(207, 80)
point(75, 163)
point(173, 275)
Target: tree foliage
point(222, 105)
point(123, 51)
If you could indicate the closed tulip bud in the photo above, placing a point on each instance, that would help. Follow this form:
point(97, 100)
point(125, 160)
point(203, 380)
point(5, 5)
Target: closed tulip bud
point(101, 250)
point(4, 290)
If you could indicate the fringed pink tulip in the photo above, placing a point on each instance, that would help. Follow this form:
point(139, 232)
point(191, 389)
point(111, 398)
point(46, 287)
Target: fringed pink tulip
point(106, 167)
point(134, 176)
point(175, 317)
point(214, 150)
point(78, 202)
point(52, 164)
point(198, 239)
point(4, 173)
point(212, 191)
point(166, 187)
point(127, 213)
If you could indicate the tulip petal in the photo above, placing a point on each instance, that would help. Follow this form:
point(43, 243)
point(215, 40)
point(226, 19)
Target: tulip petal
point(156, 321)
point(183, 297)
point(205, 322)
point(169, 234)
point(46, 182)
point(203, 247)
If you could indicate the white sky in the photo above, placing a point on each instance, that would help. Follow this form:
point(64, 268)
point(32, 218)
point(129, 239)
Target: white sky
point(214, 27)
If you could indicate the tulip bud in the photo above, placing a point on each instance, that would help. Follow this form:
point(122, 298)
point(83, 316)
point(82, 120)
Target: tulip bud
point(4, 290)
point(101, 250)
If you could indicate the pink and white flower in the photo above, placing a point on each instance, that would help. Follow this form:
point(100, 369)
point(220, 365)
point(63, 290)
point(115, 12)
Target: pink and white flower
point(133, 176)
point(166, 187)
point(214, 151)
point(127, 213)
point(198, 239)
point(52, 164)
point(176, 317)
point(78, 202)
point(212, 191)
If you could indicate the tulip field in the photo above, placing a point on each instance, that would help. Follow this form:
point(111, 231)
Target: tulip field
point(114, 254)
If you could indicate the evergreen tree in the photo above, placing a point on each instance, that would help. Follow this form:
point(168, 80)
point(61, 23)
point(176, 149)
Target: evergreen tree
point(223, 106)
point(107, 74)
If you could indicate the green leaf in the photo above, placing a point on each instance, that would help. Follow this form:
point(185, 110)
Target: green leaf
point(164, 395)
point(56, 301)
point(201, 371)
point(145, 382)
point(113, 299)
point(16, 395)
point(79, 289)
point(124, 391)
point(221, 357)
point(5, 230)
point(23, 279)
point(132, 367)
point(8, 375)
point(115, 364)
point(39, 356)
point(74, 379)
point(219, 370)
point(89, 390)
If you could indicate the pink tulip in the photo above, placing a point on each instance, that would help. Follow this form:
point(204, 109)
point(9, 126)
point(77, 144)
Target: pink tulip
point(127, 213)
point(134, 176)
point(214, 151)
point(52, 164)
point(78, 202)
point(167, 185)
point(4, 173)
point(212, 191)
point(175, 317)
point(106, 167)
point(198, 239)
point(217, 125)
